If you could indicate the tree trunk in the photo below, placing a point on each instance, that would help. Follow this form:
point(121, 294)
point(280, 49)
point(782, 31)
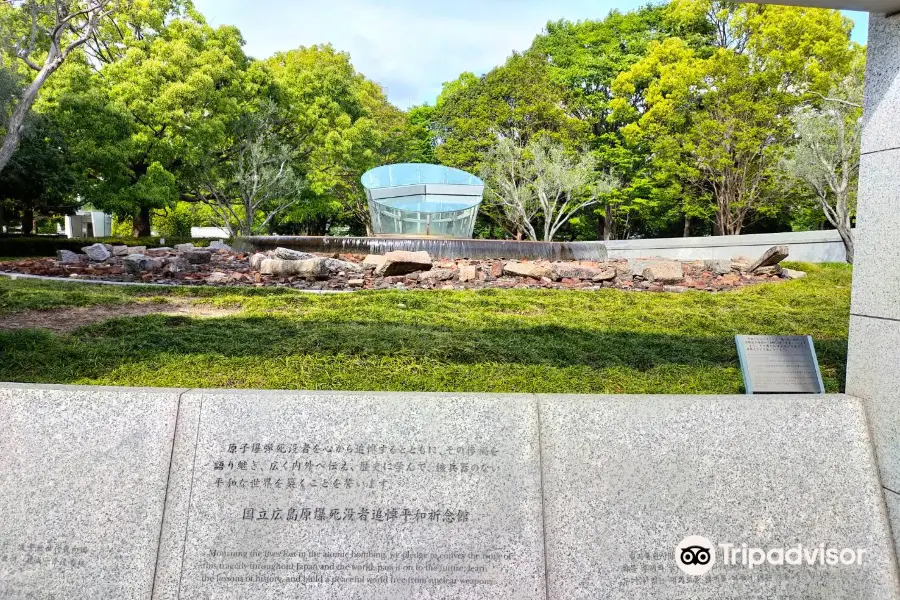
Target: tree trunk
point(2, 219)
point(847, 237)
point(28, 221)
point(16, 125)
point(608, 224)
point(687, 226)
point(141, 223)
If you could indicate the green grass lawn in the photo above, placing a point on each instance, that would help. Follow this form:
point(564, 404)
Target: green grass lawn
point(499, 340)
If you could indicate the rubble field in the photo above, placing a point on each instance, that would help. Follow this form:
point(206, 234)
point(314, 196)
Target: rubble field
point(219, 265)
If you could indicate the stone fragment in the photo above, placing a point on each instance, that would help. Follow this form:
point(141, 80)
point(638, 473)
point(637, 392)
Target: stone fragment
point(401, 262)
point(97, 252)
point(373, 261)
point(335, 265)
point(288, 254)
point(218, 277)
point(772, 270)
point(605, 274)
point(717, 266)
point(197, 257)
point(675, 289)
point(256, 261)
point(120, 250)
point(663, 271)
point(568, 270)
point(313, 267)
point(792, 274)
point(161, 251)
point(135, 250)
point(468, 273)
point(138, 263)
point(219, 245)
point(437, 275)
point(356, 282)
point(770, 257)
point(184, 247)
point(176, 264)
point(67, 257)
point(520, 269)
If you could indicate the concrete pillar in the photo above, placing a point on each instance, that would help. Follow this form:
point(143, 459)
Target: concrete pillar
point(873, 369)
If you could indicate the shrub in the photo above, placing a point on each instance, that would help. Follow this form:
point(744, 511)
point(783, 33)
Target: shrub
point(47, 246)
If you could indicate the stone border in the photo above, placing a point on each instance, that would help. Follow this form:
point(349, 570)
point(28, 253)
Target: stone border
point(159, 285)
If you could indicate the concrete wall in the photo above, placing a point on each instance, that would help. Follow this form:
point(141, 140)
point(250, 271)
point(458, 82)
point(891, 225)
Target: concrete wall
point(872, 369)
point(209, 232)
point(155, 494)
point(806, 246)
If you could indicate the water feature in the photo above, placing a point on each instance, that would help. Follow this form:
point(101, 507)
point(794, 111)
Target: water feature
point(437, 248)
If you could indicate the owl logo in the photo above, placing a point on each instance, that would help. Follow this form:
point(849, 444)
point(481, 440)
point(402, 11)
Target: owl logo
point(695, 555)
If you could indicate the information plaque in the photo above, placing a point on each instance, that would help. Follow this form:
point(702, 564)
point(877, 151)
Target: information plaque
point(779, 364)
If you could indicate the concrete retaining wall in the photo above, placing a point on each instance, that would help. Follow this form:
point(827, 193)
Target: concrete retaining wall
point(174, 494)
point(806, 246)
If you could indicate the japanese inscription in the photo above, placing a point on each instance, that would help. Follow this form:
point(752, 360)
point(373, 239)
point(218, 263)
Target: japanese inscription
point(403, 499)
point(779, 364)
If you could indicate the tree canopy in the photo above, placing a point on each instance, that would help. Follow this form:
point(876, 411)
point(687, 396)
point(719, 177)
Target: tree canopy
point(691, 117)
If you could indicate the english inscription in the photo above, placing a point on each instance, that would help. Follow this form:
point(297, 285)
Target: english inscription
point(777, 364)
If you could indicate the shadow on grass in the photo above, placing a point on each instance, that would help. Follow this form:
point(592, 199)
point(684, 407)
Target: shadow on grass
point(246, 348)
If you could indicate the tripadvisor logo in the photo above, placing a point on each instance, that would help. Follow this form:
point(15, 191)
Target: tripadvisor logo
point(696, 555)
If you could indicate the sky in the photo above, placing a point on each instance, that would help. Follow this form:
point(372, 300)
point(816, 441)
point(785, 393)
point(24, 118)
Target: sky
point(411, 47)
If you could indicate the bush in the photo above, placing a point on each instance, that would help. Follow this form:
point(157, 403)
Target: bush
point(47, 246)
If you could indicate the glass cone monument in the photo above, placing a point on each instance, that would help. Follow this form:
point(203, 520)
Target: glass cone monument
point(422, 200)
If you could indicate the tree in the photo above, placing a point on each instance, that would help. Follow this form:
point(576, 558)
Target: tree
point(42, 34)
point(255, 181)
point(585, 58)
point(826, 155)
point(717, 123)
point(39, 178)
point(508, 187)
point(517, 100)
point(142, 125)
point(540, 180)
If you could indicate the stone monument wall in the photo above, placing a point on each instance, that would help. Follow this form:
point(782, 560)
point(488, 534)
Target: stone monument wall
point(197, 495)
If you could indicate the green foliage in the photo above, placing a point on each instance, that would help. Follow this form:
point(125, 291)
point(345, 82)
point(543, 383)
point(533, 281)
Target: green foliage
point(690, 105)
point(717, 124)
point(490, 341)
point(517, 100)
point(39, 177)
point(176, 222)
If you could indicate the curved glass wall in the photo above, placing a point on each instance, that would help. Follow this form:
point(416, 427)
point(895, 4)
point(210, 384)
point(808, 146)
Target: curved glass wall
point(422, 200)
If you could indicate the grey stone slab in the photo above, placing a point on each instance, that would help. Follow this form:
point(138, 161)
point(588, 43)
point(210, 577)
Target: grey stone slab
point(873, 376)
point(882, 98)
point(181, 469)
point(877, 265)
point(361, 495)
point(83, 475)
point(627, 479)
point(893, 507)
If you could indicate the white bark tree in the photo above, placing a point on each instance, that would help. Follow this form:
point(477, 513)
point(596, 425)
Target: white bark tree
point(508, 176)
point(42, 34)
point(826, 156)
point(254, 181)
point(540, 187)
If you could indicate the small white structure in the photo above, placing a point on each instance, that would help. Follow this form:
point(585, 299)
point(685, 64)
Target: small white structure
point(210, 232)
point(87, 224)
